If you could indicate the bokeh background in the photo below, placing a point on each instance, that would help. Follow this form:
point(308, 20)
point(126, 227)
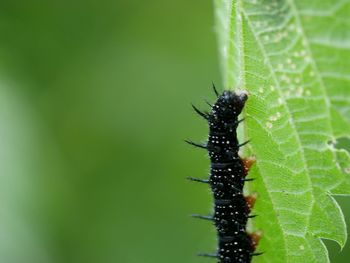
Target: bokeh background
point(94, 106)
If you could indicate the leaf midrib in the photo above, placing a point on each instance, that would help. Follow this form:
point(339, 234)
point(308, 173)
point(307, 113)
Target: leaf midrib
point(317, 73)
point(268, 63)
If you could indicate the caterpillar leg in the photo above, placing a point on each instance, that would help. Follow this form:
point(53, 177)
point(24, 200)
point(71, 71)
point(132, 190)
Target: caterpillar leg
point(250, 199)
point(247, 163)
point(255, 238)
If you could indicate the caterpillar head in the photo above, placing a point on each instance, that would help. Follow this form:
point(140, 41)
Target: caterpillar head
point(233, 102)
point(229, 104)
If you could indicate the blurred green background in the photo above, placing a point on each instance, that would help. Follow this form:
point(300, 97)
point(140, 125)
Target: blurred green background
point(95, 102)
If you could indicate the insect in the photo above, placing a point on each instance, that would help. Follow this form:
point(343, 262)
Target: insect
point(227, 177)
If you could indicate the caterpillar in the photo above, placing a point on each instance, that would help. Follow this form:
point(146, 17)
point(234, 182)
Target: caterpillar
point(227, 177)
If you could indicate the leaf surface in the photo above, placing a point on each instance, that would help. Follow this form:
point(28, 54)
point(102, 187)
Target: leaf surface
point(293, 57)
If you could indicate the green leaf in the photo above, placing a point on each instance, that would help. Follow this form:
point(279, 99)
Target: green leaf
point(293, 58)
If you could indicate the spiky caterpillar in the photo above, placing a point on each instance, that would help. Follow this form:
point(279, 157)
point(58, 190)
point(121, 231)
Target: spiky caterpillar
point(227, 177)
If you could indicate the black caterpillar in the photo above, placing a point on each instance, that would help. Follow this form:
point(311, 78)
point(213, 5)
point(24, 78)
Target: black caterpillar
point(227, 178)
